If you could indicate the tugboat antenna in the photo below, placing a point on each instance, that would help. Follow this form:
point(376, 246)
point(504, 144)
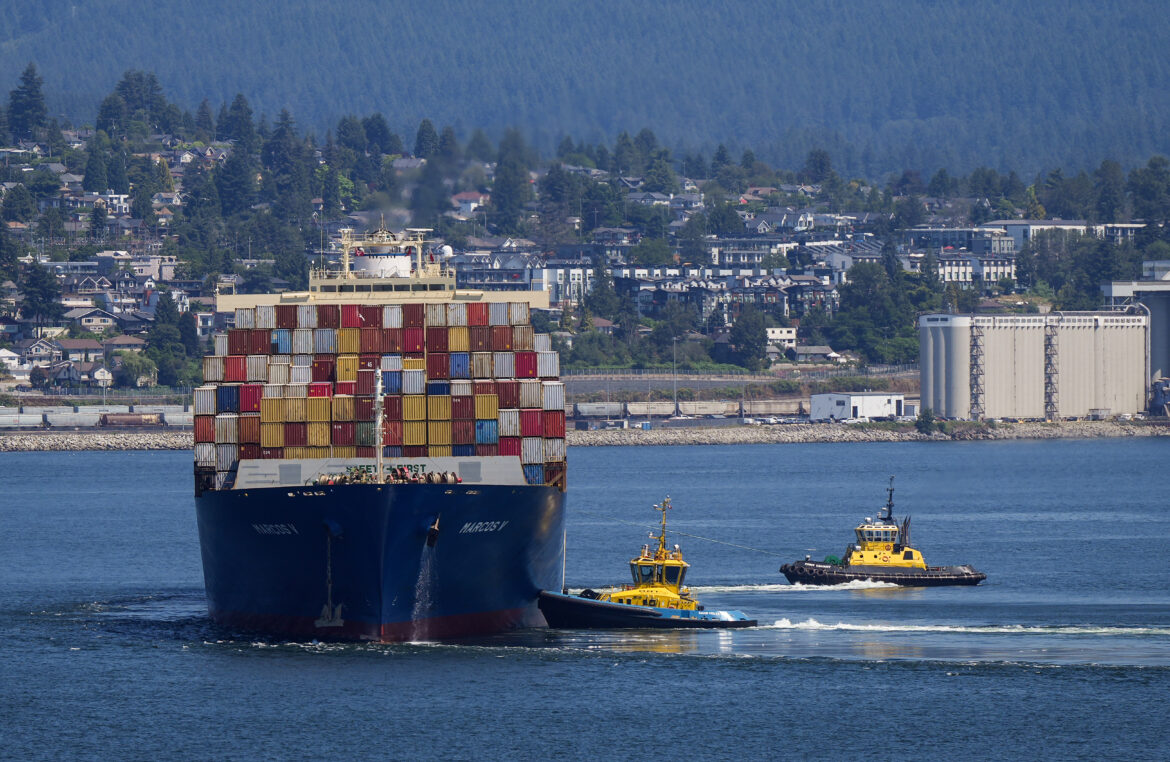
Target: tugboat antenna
point(889, 502)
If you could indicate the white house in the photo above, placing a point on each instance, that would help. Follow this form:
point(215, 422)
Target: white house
point(859, 405)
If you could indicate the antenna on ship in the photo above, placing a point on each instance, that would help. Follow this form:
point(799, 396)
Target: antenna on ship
point(889, 506)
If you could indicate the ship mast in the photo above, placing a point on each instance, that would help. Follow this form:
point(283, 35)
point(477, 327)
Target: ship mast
point(378, 426)
point(664, 507)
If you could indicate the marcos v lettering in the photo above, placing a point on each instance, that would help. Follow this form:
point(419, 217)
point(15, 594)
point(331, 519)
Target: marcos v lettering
point(476, 527)
point(275, 529)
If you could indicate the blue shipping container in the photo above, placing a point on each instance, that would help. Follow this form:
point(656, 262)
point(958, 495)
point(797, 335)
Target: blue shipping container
point(534, 474)
point(460, 365)
point(438, 388)
point(281, 341)
point(392, 451)
point(487, 432)
point(463, 451)
point(391, 382)
point(227, 398)
point(325, 341)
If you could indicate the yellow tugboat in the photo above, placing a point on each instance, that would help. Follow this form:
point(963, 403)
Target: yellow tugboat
point(657, 597)
point(882, 554)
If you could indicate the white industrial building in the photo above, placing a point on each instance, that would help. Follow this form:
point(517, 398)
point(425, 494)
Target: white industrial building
point(838, 406)
point(1054, 366)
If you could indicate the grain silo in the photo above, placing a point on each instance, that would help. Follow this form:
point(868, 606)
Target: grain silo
point(1060, 365)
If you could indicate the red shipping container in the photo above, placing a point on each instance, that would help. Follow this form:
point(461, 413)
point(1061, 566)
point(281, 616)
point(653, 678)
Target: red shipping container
point(463, 432)
point(391, 340)
point(296, 435)
point(250, 395)
point(525, 364)
point(320, 388)
point(485, 387)
point(392, 409)
point(205, 428)
point(239, 341)
point(367, 381)
point(392, 433)
point(413, 339)
point(260, 342)
point(350, 317)
point(438, 366)
point(363, 408)
point(509, 392)
point(531, 423)
point(323, 371)
point(271, 453)
point(554, 424)
point(370, 315)
point(413, 356)
point(328, 316)
point(371, 342)
point(554, 474)
point(437, 339)
point(365, 451)
point(286, 316)
point(249, 452)
point(487, 451)
point(501, 338)
point(414, 451)
point(477, 314)
point(343, 433)
point(413, 315)
point(480, 337)
point(345, 387)
point(235, 368)
point(463, 408)
point(510, 446)
point(369, 362)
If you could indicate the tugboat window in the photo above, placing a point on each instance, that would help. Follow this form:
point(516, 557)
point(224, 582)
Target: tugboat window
point(646, 573)
point(908, 555)
point(672, 574)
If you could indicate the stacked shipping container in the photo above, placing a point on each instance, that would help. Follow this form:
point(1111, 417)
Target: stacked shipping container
point(299, 381)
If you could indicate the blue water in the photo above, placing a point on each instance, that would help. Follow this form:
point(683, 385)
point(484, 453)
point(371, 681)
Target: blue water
point(106, 652)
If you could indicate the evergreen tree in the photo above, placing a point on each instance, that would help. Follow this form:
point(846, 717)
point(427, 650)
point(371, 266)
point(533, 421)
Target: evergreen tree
point(479, 147)
point(97, 222)
point(26, 105)
point(238, 125)
point(3, 125)
point(95, 180)
point(204, 122)
point(42, 295)
point(351, 133)
point(511, 190)
point(286, 181)
point(19, 205)
point(426, 140)
point(817, 166)
point(750, 338)
point(9, 254)
point(381, 139)
point(235, 183)
point(162, 177)
point(113, 115)
point(430, 198)
point(189, 334)
point(448, 149)
point(724, 220)
point(660, 175)
point(116, 173)
point(721, 159)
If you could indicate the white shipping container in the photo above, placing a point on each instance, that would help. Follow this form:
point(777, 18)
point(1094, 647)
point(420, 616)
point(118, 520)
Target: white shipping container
point(554, 395)
point(302, 341)
point(220, 344)
point(414, 382)
point(300, 374)
point(273, 390)
point(213, 368)
point(531, 451)
point(245, 317)
point(226, 456)
point(554, 450)
point(204, 400)
point(509, 423)
point(457, 314)
point(461, 388)
point(295, 390)
point(257, 367)
point(392, 316)
point(548, 364)
point(325, 341)
point(503, 365)
point(481, 365)
point(302, 361)
point(278, 373)
point(179, 419)
point(21, 420)
point(205, 454)
point(266, 316)
point(498, 313)
point(72, 420)
point(436, 314)
point(227, 428)
point(306, 316)
point(518, 313)
point(542, 342)
point(223, 479)
point(391, 362)
point(530, 394)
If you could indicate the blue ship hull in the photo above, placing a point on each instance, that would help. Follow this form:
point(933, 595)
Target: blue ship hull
point(361, 562)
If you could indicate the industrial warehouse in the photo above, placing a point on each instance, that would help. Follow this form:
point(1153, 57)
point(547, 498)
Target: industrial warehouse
point(1054, 366)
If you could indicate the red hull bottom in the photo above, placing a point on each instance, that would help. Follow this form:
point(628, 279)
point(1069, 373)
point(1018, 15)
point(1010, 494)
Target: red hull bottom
point(434, 628)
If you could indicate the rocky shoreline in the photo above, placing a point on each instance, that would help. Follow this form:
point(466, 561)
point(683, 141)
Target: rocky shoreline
point(75, 441)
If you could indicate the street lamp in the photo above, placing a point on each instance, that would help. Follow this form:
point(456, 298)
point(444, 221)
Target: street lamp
point(674, 369)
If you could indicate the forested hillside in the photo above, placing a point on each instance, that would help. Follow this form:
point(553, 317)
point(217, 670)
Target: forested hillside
point(883, 86)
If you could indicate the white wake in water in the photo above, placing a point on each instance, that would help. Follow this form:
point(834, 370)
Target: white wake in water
point(860, 584)
point(1006, 629)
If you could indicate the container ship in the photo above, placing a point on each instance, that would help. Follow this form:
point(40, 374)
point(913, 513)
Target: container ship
point(375, 461)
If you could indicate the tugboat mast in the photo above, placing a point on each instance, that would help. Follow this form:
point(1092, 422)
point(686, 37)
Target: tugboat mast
point(889, 506)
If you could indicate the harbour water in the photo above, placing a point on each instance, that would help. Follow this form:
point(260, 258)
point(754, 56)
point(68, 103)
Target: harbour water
point(1064, 651)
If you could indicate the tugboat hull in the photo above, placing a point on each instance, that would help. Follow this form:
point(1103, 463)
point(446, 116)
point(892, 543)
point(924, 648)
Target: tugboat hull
point(820, 573)
point(573, 612)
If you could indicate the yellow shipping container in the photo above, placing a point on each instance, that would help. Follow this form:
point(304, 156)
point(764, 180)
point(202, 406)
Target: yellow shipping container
point(347, 365)
point(439, 432)
point(439, 451)
point(487, 406)
point(439, 407)
point(349, 341)
point(414, 407)
point(413, 363)
point(346, 451)
point(318, 409)
point(320, 433)
point(272, 411)
point(271, 434)
point(458, 339)
point(414, 433)
point(316, 452)
point(295, 453)
point(294, 409)
point(343, 408)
